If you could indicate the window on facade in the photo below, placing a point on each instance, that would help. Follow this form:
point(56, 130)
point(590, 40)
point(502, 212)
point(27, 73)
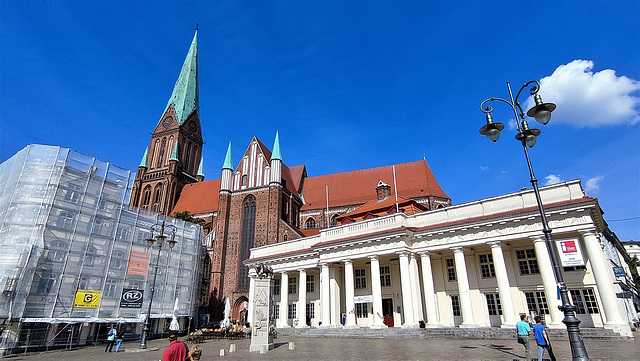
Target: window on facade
point(361, 278)
point(110, 288)
point(90, 257)
point(83, 283)
point(122, 233)
point(96, 227)
point(186, 157)
point(45, 285)
point(486, 266)
point(102, 203)
point(146, 196)
point(310, 284)
point(361, 310)
point(455, 305)
point(451, 270)
point(527, 262)
point(311, 310)
point(385, 276)
point(244, 180)
point(293, 285)
point(536, 301)
point(292, 311)
point(55, 255)
point(246, 239)
point(585, 301)
point(72, 194)
point(310, 223)
point(276, 287)
point(574, 268)
point(163, 148)
point(65, 220)
point(334, 222)
point(493, 304)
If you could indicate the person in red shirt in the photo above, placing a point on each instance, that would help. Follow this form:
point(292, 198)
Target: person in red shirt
point(177, 351)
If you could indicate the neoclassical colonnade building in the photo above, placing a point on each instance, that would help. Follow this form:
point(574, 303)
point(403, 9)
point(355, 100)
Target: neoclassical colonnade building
point(477, 264)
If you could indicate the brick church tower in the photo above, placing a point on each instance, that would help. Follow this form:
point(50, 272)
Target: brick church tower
point(173, 158)
point(258, 204)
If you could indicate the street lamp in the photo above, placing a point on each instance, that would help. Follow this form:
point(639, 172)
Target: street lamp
point(527, 136)
point(160, 238)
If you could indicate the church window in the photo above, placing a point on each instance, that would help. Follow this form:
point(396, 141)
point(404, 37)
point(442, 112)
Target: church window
point(244, 180)
point(310, 223)
point(157, 197)
point(293, 285)
point(156, 150)
point(186, 157)
point(246, 241)
point(194, 154)
point(527, 262)
point(361, 278)
point(385, 276)
point(161, 153)
point(170, 147)
point(451, 270)
point(455, 305)
point(334, 222)
point(486, 266)
point(310, 284)
point(146, 197)
point(493, 304)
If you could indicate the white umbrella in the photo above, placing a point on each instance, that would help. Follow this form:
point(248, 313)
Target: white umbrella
point(227, 311)
point(175, 326)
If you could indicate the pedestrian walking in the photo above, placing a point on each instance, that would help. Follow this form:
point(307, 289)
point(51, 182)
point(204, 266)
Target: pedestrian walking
point(177, 351)
point(111, 339)
point(524, 330)
point(119, 339)
point(540, 332)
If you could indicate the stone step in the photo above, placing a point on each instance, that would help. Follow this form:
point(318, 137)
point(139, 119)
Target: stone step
point(445, 332)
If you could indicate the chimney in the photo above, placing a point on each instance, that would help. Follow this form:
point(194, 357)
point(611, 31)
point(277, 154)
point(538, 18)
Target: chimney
point(383, 190)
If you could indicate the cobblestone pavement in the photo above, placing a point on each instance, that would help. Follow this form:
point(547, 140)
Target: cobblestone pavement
point(350, 349)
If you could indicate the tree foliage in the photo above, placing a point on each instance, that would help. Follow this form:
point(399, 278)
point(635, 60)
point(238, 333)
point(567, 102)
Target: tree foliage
point(185, 216)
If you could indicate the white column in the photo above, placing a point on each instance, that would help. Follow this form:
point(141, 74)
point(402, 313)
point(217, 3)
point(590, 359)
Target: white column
point(349, 293)
point(324, 295)
point(415, 288)
point(548, 282)
point(252, 285)
point(504, 288)
point(601, 271)
point(463, 289)
point(405, 282)
point(335, 296)
point(376, 291)
point(302, 300)
point(429, 290)
point(284, 299)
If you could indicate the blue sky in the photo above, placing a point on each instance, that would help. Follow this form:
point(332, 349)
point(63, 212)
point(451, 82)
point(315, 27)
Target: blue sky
point(348, 84)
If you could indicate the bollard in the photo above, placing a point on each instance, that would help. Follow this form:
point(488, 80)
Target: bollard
point(232, 348)
point(292, 346)
point(221, 352)
point(264, 349)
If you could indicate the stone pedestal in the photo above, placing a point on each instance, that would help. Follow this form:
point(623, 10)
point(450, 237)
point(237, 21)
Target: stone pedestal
point(261, 338)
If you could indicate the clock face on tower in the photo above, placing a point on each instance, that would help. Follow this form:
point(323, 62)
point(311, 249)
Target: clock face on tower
point(192, 126)
point(167, 122)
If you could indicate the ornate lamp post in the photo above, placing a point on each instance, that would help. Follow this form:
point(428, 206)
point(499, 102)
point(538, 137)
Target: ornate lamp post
point(160, 238)
point(527, 136)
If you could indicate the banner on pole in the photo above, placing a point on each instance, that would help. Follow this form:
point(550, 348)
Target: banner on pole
point(570, 252)
point(87, 299)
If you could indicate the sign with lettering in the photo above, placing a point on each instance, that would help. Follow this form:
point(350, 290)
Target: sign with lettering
point(131, 298)
point(87, 299)
point(619, 272)
point(570, 252)
point(363, 299)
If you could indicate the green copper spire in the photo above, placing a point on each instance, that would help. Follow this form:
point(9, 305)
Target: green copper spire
point(201, 167)
point(276, 148)
point(174, 154)
point(227, 159)
point(185, 96)
point(143, 162)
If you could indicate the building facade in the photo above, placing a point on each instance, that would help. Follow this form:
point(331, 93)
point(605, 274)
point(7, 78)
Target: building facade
point(68, 236)
point(478, 264)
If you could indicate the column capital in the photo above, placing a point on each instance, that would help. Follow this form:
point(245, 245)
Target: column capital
point(284, 272)
point(323, 265)
point(301, 270)
point(403, 253)
point(457, 249)
point(373, 258)
point(347, 261)
point(495, 244)
point(588, 232)
point(537, 239)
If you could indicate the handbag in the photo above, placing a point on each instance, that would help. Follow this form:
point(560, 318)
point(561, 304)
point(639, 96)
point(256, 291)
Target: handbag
point(521, 339)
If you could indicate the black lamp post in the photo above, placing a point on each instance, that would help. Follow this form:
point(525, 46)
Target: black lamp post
point(527, 136)
point(158, 227)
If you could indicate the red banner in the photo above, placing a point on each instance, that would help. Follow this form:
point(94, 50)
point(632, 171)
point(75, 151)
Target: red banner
point(138, 263)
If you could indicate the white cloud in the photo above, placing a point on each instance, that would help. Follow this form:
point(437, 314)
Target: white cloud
point(588, 99)
point(552, 179)
point(483, 168)
point(592, 185)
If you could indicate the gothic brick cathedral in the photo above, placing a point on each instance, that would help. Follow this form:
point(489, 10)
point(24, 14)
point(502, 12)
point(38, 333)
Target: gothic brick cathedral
point(262, 200)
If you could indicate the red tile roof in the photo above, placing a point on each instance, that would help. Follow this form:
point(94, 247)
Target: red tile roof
point(379, 208)
point(414, 180)
point(199, 198)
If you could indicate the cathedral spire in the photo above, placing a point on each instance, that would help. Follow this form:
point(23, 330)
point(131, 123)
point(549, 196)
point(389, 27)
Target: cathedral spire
point(185, 95)
point(227, 172)
point(276, 148)
point(227, 159)
point(143, 162)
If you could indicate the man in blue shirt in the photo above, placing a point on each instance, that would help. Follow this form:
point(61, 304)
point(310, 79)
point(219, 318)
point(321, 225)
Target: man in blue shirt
point(524, 330)
point(542, 339)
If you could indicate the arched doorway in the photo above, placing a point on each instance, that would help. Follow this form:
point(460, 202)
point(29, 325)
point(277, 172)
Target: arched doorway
point(239, 310)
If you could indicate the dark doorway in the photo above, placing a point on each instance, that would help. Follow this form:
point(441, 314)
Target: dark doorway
point(387, 307)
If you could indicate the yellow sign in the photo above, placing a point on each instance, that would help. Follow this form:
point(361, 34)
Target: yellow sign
point(87, 299)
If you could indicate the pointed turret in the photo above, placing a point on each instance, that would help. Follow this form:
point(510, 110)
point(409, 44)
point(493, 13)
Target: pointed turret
point(185, 95)
point(200, 174)
point(143, 162)
point(276, 162)
point(174, 153)
point(227, 171)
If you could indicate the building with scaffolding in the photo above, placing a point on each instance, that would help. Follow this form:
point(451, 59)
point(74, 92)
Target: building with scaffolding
point(74, 255)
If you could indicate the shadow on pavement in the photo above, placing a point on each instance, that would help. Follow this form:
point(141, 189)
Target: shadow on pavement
point(502, 348)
